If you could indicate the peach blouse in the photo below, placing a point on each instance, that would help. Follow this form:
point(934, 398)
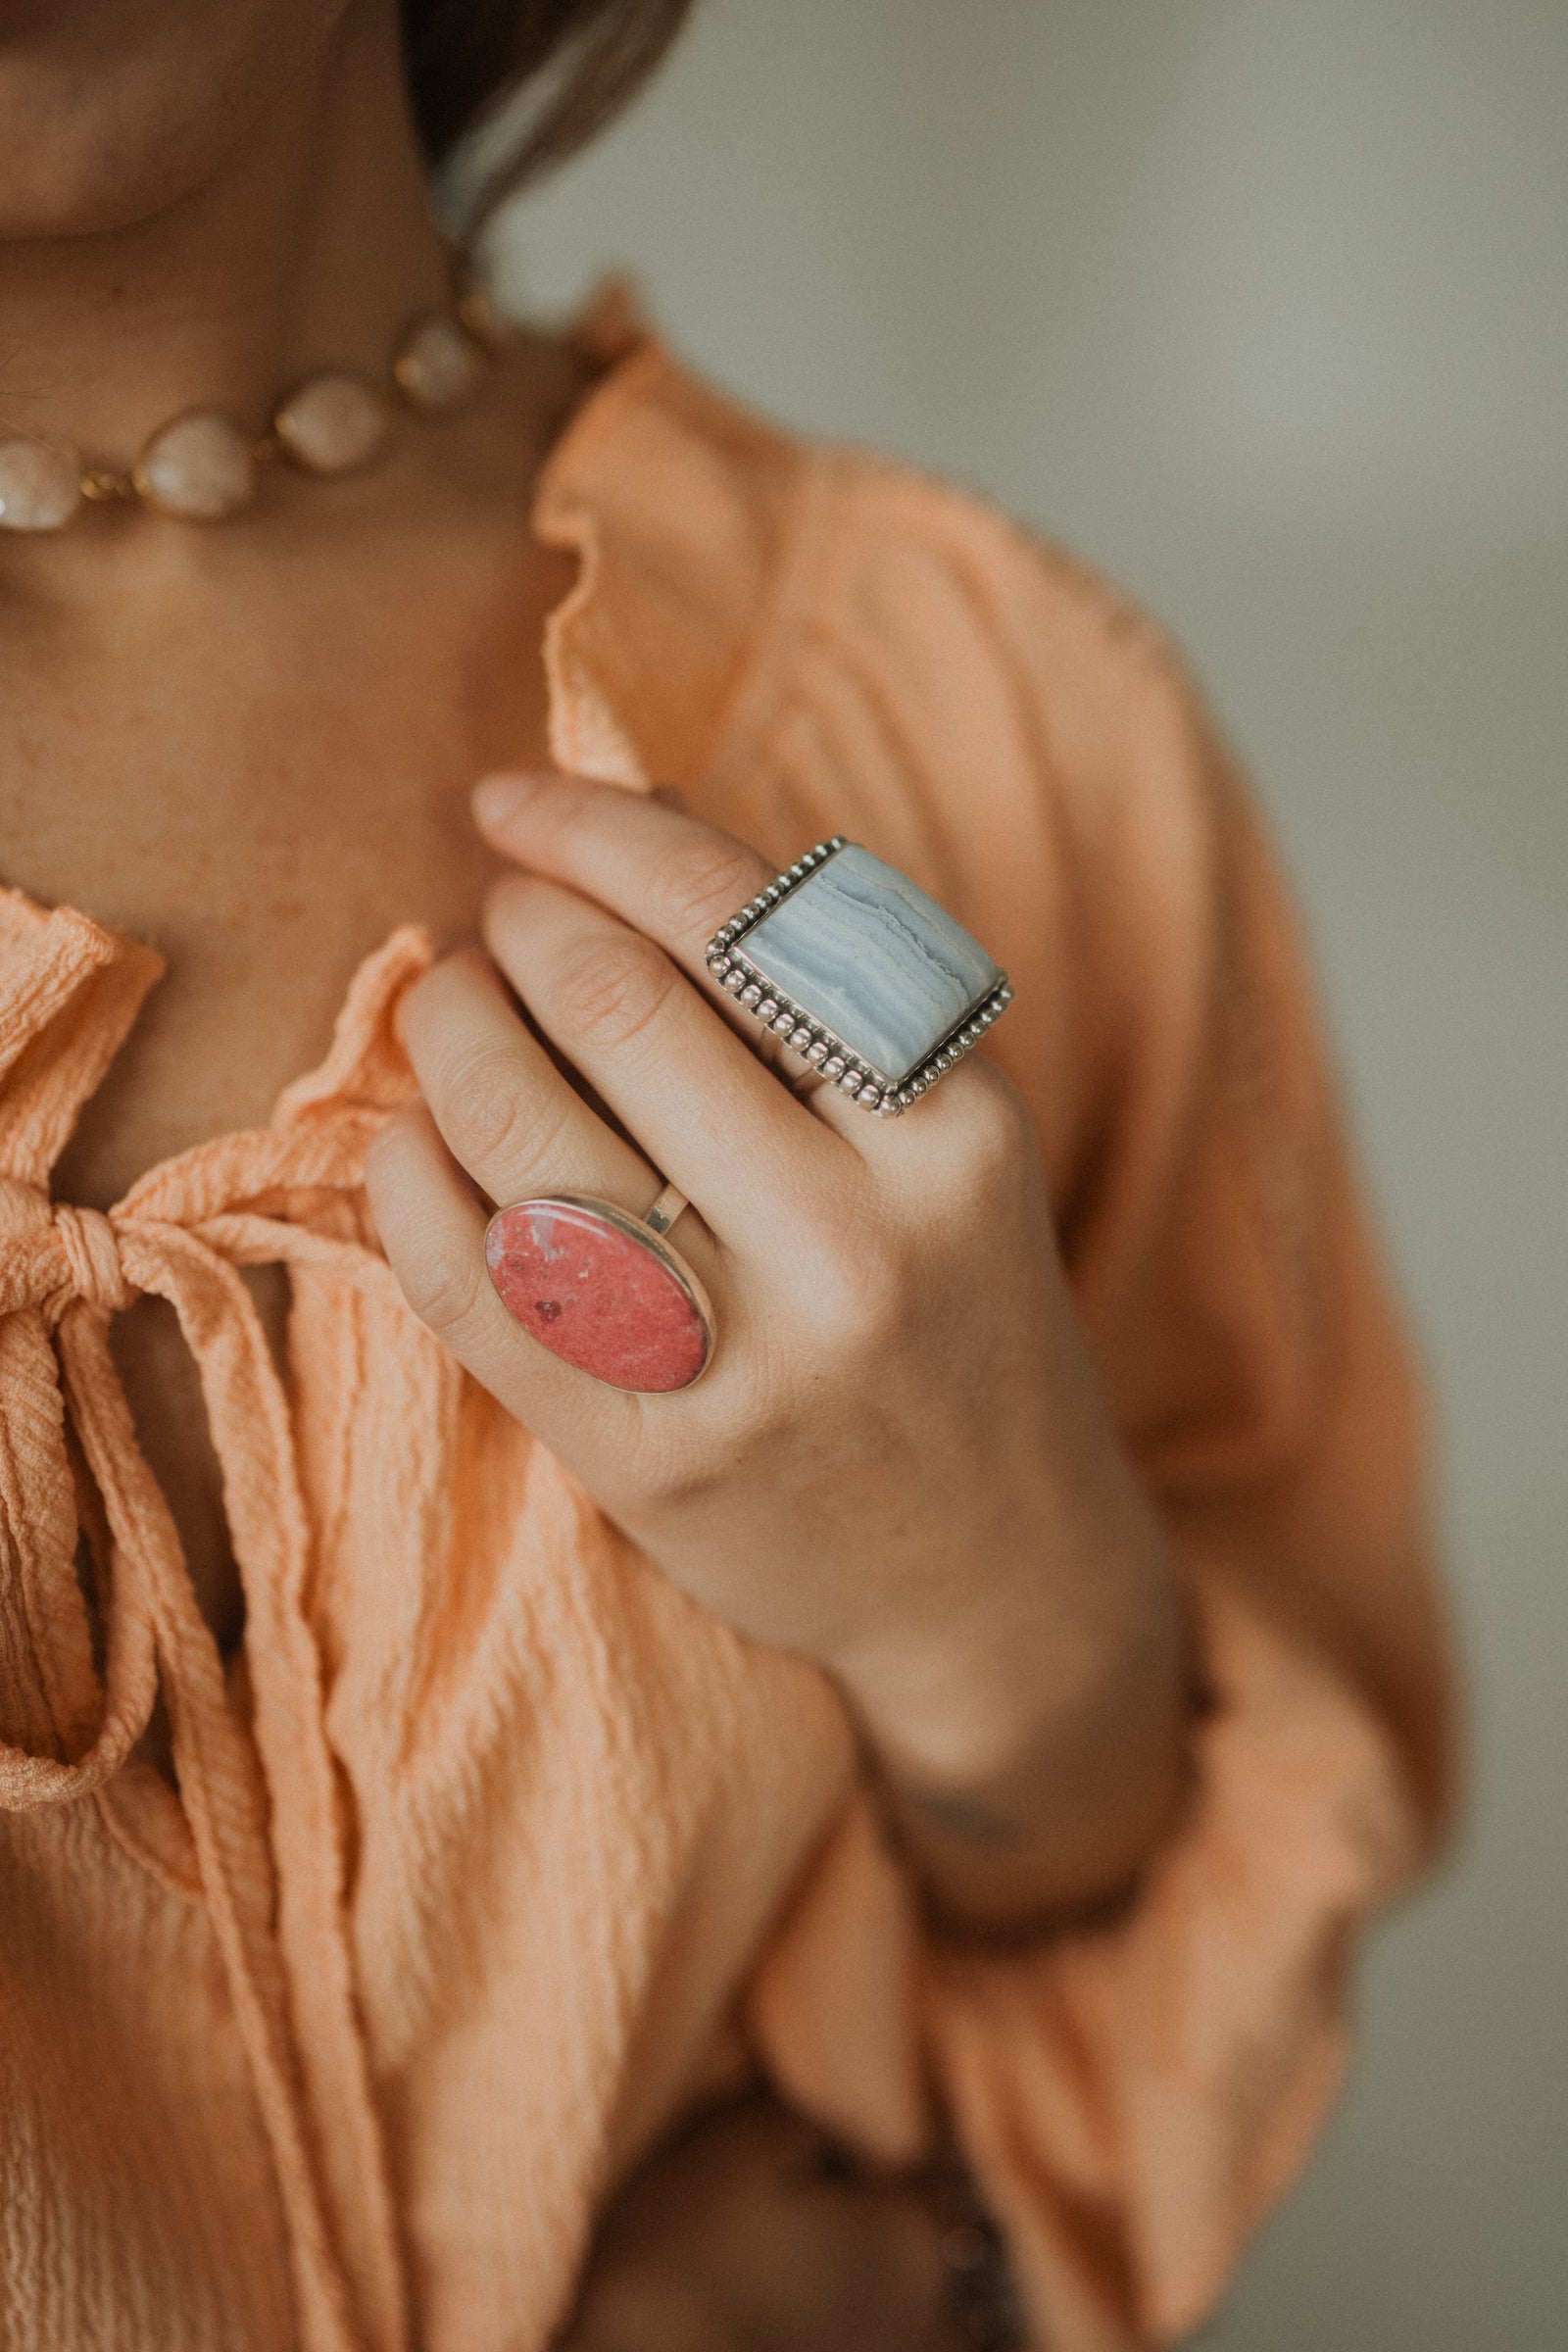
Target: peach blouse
point(491, 1852)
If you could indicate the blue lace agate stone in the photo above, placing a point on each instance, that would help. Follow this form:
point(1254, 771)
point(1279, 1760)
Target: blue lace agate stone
point(865, 951)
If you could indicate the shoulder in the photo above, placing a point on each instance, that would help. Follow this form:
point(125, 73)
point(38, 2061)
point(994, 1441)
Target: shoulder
point(811, 639)
point(737, 565)
point(1005, 656)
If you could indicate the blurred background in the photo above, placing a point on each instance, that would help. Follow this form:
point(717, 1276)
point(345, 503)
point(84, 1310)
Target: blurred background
point(1265, 312)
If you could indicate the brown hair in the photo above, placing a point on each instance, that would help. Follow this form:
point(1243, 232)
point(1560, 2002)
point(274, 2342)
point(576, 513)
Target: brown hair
point(467, 57)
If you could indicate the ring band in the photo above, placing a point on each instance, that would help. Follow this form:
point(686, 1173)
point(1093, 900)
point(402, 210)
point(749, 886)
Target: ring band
point(862, 973)
point(604, 1289)
point(671, 1205)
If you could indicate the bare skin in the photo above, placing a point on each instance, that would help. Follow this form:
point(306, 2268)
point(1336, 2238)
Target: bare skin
point(253, 746)
point(901, 1464)
point(747, 2233)
point(198, 771)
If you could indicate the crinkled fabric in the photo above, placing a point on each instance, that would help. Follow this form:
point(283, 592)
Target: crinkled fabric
point(491, 1853)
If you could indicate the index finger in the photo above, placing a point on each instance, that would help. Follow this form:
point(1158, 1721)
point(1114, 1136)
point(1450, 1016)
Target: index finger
point(665, 873)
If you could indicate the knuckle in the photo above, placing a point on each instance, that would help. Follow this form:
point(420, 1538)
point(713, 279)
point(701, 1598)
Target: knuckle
point(1001, 1117)
point(676, 1482)
point(698, 885)
point(995, 1138)
point(489, 1112)
point(864, 1291)
point(883, 1295)
point(610, 992)
point(444, 1290)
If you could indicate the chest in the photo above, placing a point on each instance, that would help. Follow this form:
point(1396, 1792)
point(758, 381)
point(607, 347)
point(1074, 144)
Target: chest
point(263, 794)
point(262, 789)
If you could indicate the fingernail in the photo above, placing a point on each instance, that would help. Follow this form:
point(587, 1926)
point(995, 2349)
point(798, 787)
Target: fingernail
point(496, 798)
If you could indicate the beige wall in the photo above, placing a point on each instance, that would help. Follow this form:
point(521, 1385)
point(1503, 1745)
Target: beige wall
point(1265, 308)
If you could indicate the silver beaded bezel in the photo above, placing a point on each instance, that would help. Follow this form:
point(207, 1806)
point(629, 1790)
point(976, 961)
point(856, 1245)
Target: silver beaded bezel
point(883, 1093)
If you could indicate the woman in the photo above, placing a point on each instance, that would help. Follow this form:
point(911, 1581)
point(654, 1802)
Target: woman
point(983, 1706)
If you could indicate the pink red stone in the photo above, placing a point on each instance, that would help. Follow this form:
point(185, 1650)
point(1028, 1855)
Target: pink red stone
point(596, 1294)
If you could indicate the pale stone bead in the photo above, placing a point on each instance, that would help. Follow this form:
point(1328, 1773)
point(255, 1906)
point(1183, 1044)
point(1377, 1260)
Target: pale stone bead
point(439, 364)
point(199, 468)
point(334, 421)
point(40, 486)
point(484, 318)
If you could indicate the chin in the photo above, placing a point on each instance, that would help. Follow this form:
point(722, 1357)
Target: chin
point(111, 110)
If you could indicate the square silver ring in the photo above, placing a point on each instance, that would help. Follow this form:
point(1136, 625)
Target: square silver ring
point(862, 973)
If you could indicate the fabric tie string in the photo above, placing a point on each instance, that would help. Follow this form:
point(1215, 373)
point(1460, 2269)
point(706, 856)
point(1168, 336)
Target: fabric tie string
point(93, 1271)
point(65, 1271)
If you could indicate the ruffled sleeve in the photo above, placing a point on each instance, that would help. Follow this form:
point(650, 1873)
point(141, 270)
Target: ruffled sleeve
point(1134, 2097)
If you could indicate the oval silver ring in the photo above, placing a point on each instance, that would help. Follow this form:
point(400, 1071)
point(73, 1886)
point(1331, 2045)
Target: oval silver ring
point(603, 1290)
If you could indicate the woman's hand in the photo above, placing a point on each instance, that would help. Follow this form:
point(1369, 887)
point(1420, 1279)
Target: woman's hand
point(742, 2230)
point(900, 1463)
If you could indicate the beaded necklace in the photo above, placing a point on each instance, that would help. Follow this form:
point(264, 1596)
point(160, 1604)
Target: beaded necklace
point(203, 467)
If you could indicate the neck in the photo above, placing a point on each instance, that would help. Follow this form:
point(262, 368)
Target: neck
point(311, 243)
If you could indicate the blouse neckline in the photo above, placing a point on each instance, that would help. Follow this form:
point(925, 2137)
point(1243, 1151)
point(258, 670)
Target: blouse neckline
point(73, 986)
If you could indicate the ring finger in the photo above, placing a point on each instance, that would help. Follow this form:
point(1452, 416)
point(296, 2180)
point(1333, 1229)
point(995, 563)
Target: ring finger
point(505, 1112)
point(499, 1112)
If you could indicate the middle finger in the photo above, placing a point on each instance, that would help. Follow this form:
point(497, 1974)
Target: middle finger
point(663, 1059)
point(503, 1110)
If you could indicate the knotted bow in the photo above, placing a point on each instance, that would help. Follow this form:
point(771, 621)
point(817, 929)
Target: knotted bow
point(76, 1268)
